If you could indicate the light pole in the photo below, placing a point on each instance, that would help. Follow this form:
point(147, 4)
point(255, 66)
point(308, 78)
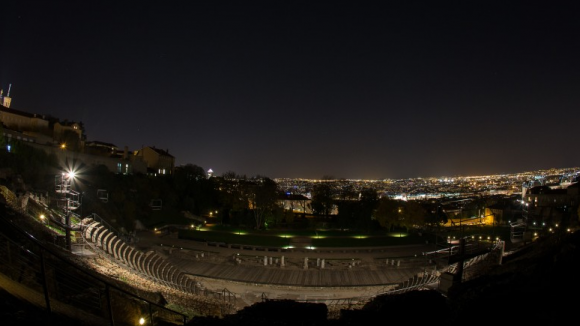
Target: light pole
point(66, 182)
point(64, 190)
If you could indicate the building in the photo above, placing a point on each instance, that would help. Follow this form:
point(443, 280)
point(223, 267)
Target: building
point(101, 148)
point(296, 203)
point(32, 127)
point(158, 161)
point(5, 100)
point(41, 129)
point(552, 205)
point(69, 135)
point(67, 140)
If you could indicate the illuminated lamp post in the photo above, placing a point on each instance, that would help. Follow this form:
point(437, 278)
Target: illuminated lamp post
point(66, 182)
point(399, 218)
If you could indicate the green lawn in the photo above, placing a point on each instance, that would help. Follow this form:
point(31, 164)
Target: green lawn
point(283, 240)
point(335, 238)
point(233, 238)
point(165, 217)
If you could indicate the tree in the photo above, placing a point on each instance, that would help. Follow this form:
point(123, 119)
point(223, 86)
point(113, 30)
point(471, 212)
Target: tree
point(196, 192)
point(276, 217)
point(32, 164)
point(189, 172)
point(400, 214)
point(347, 192)
point(368, 203)
point(72, 140)
point(229, 175)
point(357, 214)
point(263, 199)
point(435, 217)
point(234, 192)
point(346, 216)
point(387, 213)
point(412, 215)
point(322, 199)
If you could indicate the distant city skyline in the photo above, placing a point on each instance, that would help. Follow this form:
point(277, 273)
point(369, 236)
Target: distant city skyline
point(539, 172)
point(439, 186)
point(304, 89)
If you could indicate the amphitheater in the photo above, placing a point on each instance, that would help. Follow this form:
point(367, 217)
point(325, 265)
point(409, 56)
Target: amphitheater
point(212, 279)
point(245, 275)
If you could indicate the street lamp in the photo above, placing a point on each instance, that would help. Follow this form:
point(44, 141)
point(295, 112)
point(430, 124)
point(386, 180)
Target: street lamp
point(65, 190)
point(67, 179)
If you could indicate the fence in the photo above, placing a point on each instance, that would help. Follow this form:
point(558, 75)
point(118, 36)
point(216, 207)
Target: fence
point(43, 276)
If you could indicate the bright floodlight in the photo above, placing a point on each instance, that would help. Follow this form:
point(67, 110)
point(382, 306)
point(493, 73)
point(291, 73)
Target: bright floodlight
point(141, 321)
point(71, 174)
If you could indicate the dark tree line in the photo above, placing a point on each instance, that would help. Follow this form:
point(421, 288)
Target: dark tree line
point(363, 210)
point(237, 200)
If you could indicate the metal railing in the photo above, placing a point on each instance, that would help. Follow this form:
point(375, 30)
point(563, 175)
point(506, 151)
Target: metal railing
point(41, 275)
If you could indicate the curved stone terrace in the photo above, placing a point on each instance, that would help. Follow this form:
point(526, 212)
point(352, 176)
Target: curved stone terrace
point(297, 267)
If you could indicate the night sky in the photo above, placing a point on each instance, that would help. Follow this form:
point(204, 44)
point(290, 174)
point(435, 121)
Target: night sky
point(306, 89)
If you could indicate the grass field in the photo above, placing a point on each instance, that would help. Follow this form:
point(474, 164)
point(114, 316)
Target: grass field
point(335, 238)
point(319, 238)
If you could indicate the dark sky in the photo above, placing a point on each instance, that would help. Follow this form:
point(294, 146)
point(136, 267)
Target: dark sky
point(304, 89)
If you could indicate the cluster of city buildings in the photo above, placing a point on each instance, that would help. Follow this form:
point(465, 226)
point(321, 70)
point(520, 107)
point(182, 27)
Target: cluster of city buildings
point(441, 187)
point(543, 197)
point(67, 140)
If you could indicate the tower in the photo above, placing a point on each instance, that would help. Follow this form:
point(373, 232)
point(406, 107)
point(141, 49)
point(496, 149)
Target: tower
point(6, 99)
